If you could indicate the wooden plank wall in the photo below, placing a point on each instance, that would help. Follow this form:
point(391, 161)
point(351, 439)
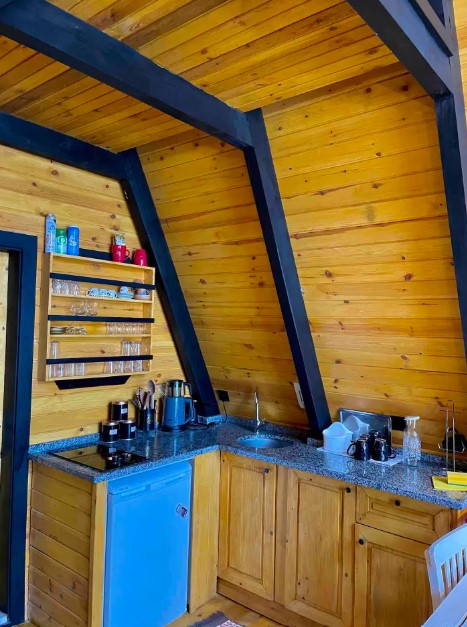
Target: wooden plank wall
point(360, 176)
point(31, 187)
point(59, 551)
point(203, 195)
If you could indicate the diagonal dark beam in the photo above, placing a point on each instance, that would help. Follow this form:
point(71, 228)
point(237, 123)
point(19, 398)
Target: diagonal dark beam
point(400, 26)
point(432, 20)
point(152, 237)
point(452, 131)
point(65, 38)
point(276, 237)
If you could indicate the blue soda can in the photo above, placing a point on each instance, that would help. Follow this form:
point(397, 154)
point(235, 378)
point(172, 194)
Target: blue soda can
point(73, 240)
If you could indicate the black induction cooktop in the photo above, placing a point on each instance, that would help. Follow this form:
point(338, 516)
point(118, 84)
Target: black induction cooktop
point(101, 457)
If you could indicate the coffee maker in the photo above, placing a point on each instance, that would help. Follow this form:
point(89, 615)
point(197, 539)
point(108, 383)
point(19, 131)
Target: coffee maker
point(178, 408)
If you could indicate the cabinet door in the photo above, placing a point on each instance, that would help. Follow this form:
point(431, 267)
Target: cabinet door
point(247, 524)
point(391, 581)
point(315, 552)
point(402, 516)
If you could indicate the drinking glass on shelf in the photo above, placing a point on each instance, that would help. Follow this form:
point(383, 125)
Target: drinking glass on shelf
point(85, 309)
point(126, 351)
point(109, 367)
point(74, 288)
point(136, 350)
point(118, 367)
point(56, 286)
point(78, 309)
point(55, 370)
point(69, 370)
point(92, 308)
point(66, 288)
point(80, 369)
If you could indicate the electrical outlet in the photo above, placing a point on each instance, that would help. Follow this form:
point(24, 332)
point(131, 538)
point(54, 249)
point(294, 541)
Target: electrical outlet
point(298, 392)
point(223, 396)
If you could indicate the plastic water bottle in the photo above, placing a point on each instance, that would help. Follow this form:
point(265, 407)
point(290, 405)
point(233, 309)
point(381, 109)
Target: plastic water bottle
point(412, 444)
point(50, 232)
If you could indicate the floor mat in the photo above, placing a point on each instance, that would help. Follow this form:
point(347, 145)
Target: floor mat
point(216, 620)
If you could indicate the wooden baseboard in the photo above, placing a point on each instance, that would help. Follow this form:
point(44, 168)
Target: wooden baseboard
point(270, 609)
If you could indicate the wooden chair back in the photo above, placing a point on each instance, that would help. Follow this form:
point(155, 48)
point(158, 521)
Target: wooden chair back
point(447, 563)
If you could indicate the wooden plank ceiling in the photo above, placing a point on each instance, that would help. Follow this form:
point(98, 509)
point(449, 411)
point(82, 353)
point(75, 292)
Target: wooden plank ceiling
point(249, 53)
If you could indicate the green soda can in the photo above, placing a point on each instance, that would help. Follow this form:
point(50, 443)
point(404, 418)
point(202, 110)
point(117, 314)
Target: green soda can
point(60, 241)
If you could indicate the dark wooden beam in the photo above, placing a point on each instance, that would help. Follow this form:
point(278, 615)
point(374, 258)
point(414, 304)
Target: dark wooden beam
point(438, 8)
point(432, 20)
point(276, 237)
point(152, 238)
point(65, 38)
point(452, 131)
point(50, 144)
point(21, 291)
point(407, 35)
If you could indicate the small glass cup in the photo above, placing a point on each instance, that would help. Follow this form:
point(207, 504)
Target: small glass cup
point(55, 370)
point(127, 351)
point(136, 350)
point(109, 367)
point(92, 308)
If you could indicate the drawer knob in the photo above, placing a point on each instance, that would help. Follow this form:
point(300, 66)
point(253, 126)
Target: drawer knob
point(266, 470)
point(348, 490)
point(397, 503)
point(361, 541)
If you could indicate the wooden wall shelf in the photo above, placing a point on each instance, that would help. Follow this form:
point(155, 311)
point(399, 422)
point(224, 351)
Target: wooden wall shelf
point(84, 319)
point(98, 350)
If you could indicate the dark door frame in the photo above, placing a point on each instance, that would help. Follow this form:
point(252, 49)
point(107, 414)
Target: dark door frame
point(19, 348)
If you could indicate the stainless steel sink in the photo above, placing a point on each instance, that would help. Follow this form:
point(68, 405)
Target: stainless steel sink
point(263, 441)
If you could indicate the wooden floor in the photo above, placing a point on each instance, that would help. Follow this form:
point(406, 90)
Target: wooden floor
point(232, 610)
point(235, 612)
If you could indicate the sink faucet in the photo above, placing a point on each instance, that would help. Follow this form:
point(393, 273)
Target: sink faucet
point(258, 422)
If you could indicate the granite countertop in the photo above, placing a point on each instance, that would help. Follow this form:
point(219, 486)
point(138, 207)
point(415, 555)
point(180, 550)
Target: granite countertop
point(165, 448)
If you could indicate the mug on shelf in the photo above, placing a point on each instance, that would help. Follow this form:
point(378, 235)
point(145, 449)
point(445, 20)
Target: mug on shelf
point(120, 253)
point(140, 257)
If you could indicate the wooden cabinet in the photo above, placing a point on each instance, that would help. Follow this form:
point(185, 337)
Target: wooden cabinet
point(315, 553)
point(247, 524)
point(402, 516)
point(391, 582)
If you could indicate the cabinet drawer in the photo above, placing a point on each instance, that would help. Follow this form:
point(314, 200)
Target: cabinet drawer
point(402, 516)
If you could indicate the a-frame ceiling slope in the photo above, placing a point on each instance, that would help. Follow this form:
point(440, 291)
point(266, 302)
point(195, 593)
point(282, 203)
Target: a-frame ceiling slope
point(249, 53)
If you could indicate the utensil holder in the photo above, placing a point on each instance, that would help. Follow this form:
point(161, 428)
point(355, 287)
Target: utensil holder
point(146, 419)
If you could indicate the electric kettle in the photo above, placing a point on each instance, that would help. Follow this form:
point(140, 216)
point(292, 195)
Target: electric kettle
point(178, 409)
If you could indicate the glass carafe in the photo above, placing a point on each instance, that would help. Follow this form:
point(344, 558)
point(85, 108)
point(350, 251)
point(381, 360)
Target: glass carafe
point(412, 445)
